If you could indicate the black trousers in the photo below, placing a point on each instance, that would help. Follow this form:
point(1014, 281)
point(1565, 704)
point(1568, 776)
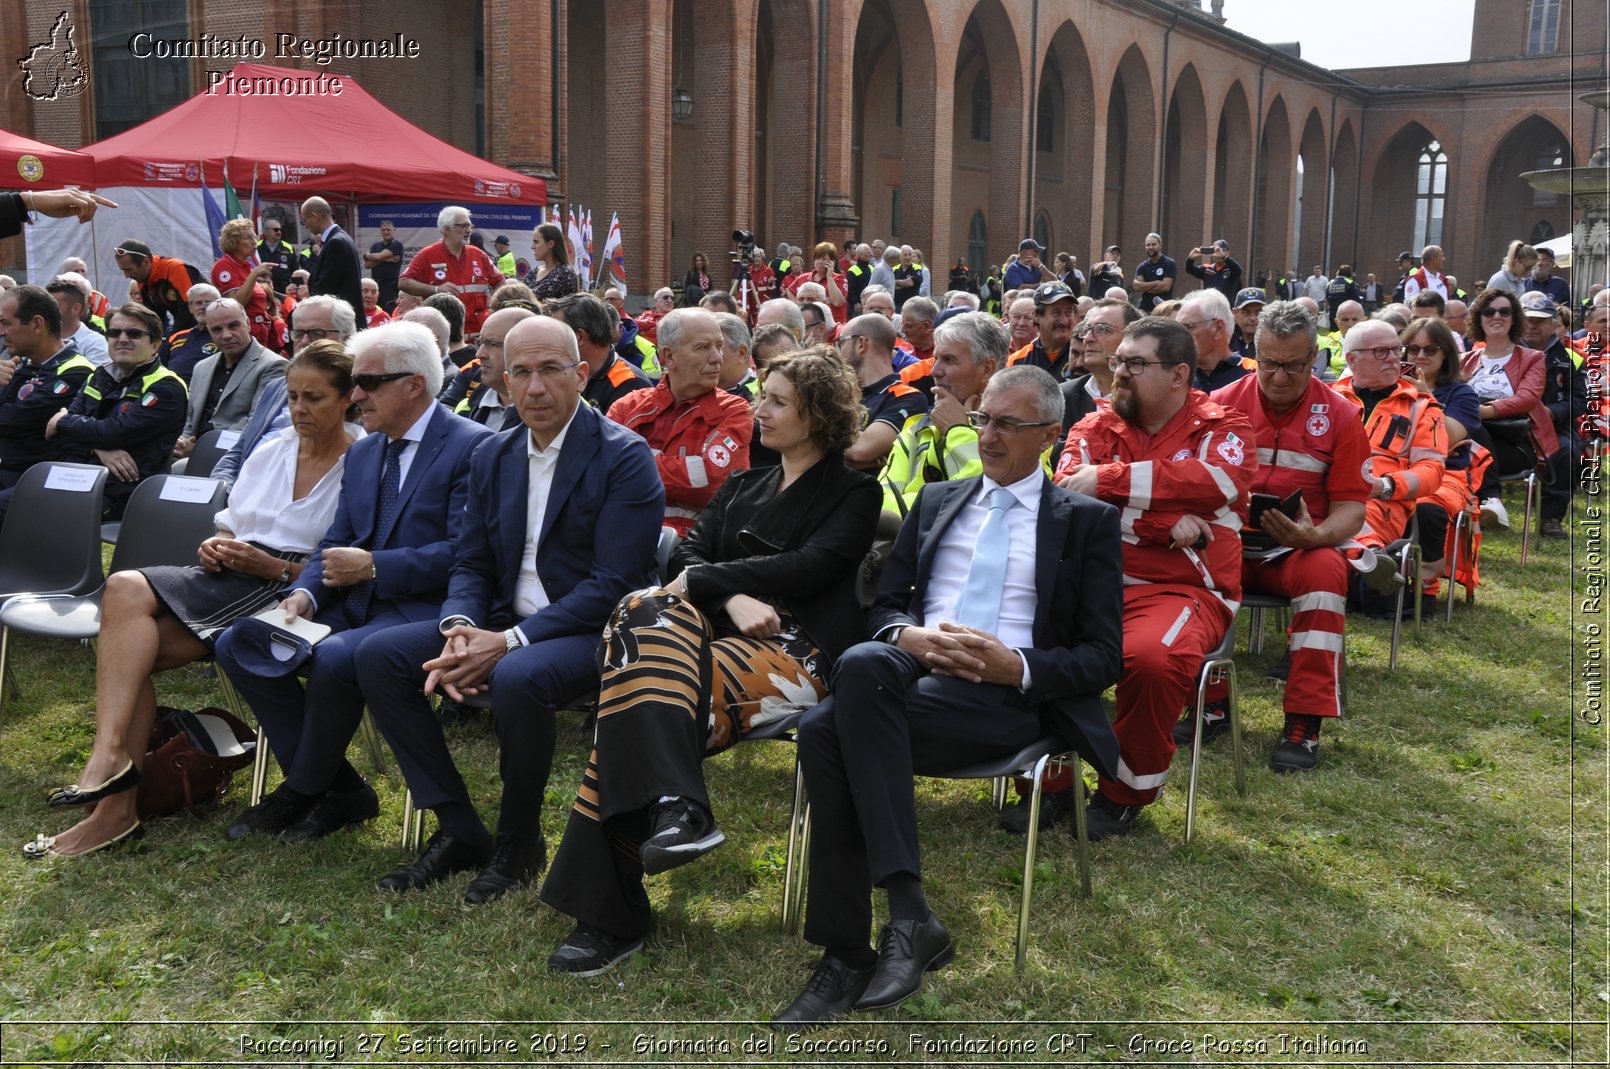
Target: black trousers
point(887, 721)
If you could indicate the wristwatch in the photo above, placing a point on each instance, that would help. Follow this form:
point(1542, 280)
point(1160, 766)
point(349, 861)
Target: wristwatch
point(893, 637)
point(511, 640)
point(1389, 486)
point(285, 576)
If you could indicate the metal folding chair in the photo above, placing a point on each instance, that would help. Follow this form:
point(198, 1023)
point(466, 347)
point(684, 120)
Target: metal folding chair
point(1218, 667)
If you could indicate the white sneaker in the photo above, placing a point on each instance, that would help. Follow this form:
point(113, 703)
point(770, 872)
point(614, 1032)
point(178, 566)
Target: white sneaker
point(1493, 515)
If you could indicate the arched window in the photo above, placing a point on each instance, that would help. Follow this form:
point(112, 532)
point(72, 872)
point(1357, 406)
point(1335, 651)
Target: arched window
point(981, 108)
point(1042, 229)
point(977, 242)
point(1045, 116)
point(1430, 195)
point(1543, 231)
point(1543, 28)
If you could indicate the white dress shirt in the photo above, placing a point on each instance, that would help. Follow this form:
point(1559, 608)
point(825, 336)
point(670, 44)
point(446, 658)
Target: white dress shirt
point(413, 436)
point(954, 558)
point(91, 344)
point(261, 507)
point(529, 595)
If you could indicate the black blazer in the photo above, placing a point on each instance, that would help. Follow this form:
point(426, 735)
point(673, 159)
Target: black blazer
point(1078, 621)
point(802, 546)
point(338, 271)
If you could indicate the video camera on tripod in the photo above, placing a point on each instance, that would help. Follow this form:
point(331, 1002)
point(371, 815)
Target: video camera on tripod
point(745, 240)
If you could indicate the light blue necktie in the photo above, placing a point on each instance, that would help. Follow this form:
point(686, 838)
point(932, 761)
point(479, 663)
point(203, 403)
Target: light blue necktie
point(980, 602)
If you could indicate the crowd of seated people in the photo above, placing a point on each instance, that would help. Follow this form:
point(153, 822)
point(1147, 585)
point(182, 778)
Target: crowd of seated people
point(472, 496)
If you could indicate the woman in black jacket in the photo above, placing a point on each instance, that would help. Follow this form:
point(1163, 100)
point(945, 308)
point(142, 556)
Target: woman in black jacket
point(697, 282)
point(762, 603)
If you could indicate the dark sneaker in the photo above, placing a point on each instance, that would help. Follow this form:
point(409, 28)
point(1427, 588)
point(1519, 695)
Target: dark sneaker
point(1054, 809)
point(1298, 748)
point(1215, 722)
point(1552, 529)
point(278, 810)
point(683, 832)
point(591, 951)
point(1383, 576)
point(1105, 818)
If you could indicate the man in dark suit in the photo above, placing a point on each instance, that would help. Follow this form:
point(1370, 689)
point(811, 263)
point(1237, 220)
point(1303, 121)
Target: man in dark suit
point(563, 521)
point(383, 562)
point(997, 622)
point(338, 270)
point(223, 387)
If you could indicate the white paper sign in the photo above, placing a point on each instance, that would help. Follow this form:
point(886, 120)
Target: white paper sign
point(184, 488)
point(227, 440)
point(76, 480)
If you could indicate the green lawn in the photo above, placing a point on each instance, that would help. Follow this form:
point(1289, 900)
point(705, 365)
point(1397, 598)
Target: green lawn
point(1434, 893)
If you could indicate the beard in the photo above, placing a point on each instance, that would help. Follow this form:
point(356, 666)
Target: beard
point(1126, 403)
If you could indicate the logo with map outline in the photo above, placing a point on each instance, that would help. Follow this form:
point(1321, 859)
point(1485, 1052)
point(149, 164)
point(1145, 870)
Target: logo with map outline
point(53, 69)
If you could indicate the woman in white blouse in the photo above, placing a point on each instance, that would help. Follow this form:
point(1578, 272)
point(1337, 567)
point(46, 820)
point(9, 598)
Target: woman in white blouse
point(156, 619)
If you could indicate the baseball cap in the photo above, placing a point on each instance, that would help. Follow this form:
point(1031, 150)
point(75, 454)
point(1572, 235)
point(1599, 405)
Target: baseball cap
point(1405, 256)
point(1250, 295)
point(947, 315)
point(1048, 293)
point(1030, 243)
point(1220, 243)
point(268, 650)
point(1539, 305)
point(501, 239)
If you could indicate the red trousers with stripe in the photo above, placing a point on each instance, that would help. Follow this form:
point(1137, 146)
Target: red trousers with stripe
point(1168, 633)
point(1316, 582)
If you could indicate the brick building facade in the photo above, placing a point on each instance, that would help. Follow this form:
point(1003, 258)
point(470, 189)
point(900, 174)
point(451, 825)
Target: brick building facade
point(954, 125)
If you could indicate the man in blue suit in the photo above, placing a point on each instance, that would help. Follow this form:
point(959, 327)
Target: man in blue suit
point(563, 521)
point(382, 563)
point(997, 622)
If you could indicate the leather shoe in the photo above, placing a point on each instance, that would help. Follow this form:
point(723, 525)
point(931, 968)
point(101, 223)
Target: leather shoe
point(444, 854)
point(515, 862)
point(278, 810)
point(906, 950)
point(334, 811)
point(126, 780)
point(831, 992)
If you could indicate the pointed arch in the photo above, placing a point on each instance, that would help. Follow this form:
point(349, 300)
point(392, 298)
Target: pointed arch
point(1273, 201)
point(1308, 227)
point(1513, 208)
point(1184, 221)
point(989, 73)
point(1232, 170)
point(1131, 134)
point(1344, 197)
point(1062, 184)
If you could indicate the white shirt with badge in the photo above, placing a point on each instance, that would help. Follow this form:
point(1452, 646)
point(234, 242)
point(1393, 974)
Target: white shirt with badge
point(1490, 381)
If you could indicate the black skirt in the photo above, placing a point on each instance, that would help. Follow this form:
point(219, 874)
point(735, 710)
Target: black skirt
point(207, 602)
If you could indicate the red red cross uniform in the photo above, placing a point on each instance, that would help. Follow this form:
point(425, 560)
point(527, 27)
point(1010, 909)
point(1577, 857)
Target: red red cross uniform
point(1178, 601)
point(696, 444)
point(471, 270)
point(1317, 447)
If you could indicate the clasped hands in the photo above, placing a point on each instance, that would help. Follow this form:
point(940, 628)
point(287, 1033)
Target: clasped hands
point(963, 652)
point(466, 662)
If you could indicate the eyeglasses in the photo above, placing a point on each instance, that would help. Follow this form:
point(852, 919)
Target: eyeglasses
point(1380, 352)
point(1004, 427)
point(1412, 351)
point(1101, 330)
point(463, 226)
point(1291, 367)
point(315, 334)
point(1134, 366)
point(488, 343)
point(549, 372)
point(1503, 312)
point(1193, 326)
point(847, 337)
point(128, 332)
point(371, 383)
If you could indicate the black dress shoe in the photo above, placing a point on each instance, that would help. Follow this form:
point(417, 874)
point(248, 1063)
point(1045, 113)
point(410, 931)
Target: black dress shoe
point(831, 992)
point(515, 862)
point(331, 813)
point(278, 810)
point(444, 854)
point(906, 950)
point(126, 780)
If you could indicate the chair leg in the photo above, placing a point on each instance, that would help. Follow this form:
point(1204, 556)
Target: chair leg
point(1526, 526)
point(1414, 580)
point(1453, 562)
point(791, 906)
point(1255, 630)
point(413, 823)
point(1196, 753)
point(7, 677)
point(1081, 826)
point(1030, 851)
point(259, 783)
point(372, 741)
point(1235, 731)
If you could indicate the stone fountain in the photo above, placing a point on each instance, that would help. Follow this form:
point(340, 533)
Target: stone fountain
point(1589, 190)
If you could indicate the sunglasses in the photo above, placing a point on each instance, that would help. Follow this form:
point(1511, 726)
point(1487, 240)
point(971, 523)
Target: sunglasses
point(1497, 313)
point(371, 383)
point(128, 332)
point(1417, 350)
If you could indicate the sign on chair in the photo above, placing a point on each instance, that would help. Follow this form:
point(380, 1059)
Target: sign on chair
point(75, 480)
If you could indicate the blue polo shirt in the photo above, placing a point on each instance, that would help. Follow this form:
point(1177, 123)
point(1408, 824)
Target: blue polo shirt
point(1154, 272)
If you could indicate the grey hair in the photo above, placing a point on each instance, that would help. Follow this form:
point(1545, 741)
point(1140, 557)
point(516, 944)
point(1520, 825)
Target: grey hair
point(341, 313)
point(969, 299)
point(984, 335)
point(450, 215)
point(873, 287)
point(1049, 403)
point(734, 331)
point(792, 317)
point(669, 331)
point(891, 254)
point(919, 308)
point(1212, 304)
point(403, 346)
point(206, 290)
point(1388, 315)
point(1286, 319)
point(436, 323)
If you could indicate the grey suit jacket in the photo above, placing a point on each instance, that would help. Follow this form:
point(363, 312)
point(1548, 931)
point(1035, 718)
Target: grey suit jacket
point(257, 367)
